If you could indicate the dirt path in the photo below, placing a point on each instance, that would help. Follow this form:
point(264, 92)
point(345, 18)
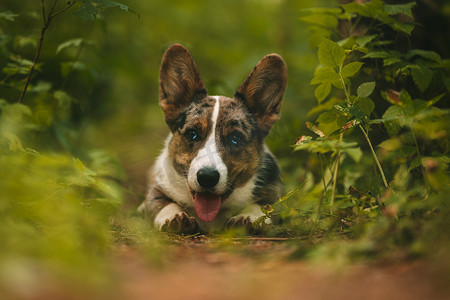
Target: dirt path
point(201, 270)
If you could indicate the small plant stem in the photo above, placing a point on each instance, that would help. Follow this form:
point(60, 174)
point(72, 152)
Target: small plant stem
point(365, 134)
point(347, 96)
point(69, 5)
point(375, 157)
point(320, 201)
point(47, 19)
point(36, 57)
point(413, 133)
point(335, 175)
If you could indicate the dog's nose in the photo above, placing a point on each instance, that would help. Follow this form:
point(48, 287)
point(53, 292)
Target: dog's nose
point(208, 177)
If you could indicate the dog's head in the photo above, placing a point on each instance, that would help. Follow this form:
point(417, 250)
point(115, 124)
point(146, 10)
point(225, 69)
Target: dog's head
point(217, 141)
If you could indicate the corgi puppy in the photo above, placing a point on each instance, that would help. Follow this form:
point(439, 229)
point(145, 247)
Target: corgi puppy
point(215, 170)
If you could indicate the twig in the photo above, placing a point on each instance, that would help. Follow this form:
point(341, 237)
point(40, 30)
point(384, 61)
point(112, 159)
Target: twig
point(335, 175)
point(69, 5)
point(386, 185)
point(47, 19)
point(319, 207)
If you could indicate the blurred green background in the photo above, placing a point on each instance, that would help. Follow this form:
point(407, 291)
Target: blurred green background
point(114, 81)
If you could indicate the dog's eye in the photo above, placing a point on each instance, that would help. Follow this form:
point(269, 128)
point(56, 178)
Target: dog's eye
point(192, 135)
point(235, 139)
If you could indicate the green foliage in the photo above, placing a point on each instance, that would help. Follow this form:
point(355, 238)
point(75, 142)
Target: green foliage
point(89, 9)
point(385, 198)
point(56, 205)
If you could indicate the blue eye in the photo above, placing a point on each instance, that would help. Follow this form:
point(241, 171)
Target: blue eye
point(192, 135)
point(235, 139)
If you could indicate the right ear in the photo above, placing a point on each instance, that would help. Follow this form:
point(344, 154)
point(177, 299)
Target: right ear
point(180, 84)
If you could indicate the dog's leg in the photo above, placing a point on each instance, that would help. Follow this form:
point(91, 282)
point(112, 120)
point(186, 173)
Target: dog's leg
point(246, 218)
point(167, 215)
point(173, 219)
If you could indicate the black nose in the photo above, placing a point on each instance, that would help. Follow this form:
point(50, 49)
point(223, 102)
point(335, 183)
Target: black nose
point(207, 177)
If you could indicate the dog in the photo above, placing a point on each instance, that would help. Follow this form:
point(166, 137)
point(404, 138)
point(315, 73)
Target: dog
point(215, 171)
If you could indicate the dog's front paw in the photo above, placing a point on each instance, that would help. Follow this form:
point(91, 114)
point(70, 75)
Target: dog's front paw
point(242, 223)
point(180, 223)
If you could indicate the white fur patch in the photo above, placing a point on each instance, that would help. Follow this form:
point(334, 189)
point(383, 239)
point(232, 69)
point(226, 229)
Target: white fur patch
point(241, 196)
point(167, 213)
point(209, 156)
point(169, 181)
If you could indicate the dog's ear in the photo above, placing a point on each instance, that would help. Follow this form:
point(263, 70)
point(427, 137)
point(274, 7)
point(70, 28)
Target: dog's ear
point(180, 84)
point(263, 89)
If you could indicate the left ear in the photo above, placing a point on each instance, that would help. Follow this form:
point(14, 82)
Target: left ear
point(263, 90)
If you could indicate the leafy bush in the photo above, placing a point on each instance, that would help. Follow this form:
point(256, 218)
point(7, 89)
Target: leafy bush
point(56, 206)
point(379, 157)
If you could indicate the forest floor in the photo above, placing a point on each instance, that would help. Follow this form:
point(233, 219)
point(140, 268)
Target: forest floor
point(258, 268)
point(211, 268)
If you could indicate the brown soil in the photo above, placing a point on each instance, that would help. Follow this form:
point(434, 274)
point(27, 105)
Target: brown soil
point(202, 269)
point(249, 268)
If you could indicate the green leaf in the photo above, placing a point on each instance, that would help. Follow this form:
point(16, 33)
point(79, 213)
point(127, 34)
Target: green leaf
point(324, 74)
point(91, 8)
point(347, 125)
point(377, 54)
point(364, 40)
point(405, 98)
point(390, 61)
point(321, 19)
point(394, 119)
point(324, 106)
point(109, 3)
point(399, 9)
point(371, 9)
point(327, 145)
point(87, 11)
point(446, 82)
point(342, 121)
point(351, 110)
point(391, 144)
point(354, 153)
point(64, 100)
point(365, 89)
point(405, 27)
point(327, 117)
point(70, 43)
point(321, 11)
point(350, 69)
point(322, 91)
point(331, 54)
point(314, 129)
point(435, 100)
point(366, 105)
point(430, 55)
point(8, 15)
point(389, 57)
point(23, 41)
point(422, 77)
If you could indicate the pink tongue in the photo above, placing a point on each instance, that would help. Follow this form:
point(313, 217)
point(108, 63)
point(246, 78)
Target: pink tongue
point(207, 206)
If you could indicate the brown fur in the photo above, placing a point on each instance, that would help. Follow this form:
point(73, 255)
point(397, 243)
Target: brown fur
point(182, 151)
point(241, 160)
point(263, 89)
point(180, 83)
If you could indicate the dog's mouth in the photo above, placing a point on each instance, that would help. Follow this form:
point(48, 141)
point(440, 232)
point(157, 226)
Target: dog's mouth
point(207, 205)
